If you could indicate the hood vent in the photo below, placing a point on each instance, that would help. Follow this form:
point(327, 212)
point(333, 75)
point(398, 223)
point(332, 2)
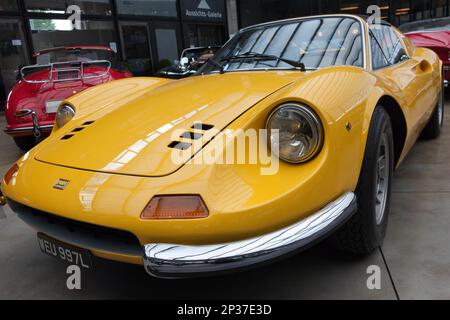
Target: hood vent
point(78, 129)
point(189, 135)
point(202, 126)
point(179, 145)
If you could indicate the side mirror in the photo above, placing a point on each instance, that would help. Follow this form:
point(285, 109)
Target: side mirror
point(404, 57)
point(184, 62)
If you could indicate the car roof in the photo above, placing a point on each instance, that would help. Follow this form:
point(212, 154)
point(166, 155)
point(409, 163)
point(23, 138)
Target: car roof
point(72, 48)
point(362, 18)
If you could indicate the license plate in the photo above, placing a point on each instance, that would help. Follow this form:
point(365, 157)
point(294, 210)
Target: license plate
point(64, 251)
point(51, 106)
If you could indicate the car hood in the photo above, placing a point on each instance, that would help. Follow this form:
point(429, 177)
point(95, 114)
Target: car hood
point(134, 138)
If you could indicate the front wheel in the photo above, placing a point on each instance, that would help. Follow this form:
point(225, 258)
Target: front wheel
point(434, 126)
point(365, 231)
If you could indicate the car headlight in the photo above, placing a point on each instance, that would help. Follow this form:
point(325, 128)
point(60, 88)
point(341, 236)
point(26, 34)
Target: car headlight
point(295, 133)
point(64, 114)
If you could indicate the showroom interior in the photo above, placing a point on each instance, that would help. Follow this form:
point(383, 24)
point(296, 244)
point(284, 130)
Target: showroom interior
point(148, 36)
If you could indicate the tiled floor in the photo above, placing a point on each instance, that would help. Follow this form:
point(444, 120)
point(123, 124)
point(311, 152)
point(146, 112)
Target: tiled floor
point(416, 250)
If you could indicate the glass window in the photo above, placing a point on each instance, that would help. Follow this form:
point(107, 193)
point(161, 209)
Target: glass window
point(378, 58)
point(163, 8)
point(316, 43)
point(13, 54)
point(390, 43)
point(440, 8)
point(50, 33)
point(204, 35)
point(166, 45)
point(136, 47)
point(403, 11)
point(8, 5)
point(100, 7)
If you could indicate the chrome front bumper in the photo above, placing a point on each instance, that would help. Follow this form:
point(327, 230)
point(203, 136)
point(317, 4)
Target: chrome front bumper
point(178, 261)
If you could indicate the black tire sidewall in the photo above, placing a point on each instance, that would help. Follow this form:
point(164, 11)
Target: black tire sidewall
point(366, 190)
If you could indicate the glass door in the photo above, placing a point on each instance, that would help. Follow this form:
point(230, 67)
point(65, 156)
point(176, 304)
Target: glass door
point(167, 40)
point(136, 49)
point(13, 54)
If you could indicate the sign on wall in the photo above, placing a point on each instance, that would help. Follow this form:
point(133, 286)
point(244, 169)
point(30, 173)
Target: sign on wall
point(205, 10)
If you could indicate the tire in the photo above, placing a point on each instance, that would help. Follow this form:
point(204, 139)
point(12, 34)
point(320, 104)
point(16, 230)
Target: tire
point(434, 126)
point(25, 143)
point(365, 231)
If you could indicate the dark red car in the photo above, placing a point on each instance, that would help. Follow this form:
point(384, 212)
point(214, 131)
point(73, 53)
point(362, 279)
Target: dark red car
point(57, 74)
point(433, 34)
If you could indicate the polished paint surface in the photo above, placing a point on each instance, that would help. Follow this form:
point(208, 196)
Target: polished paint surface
point(120, 161)
point(416, 251)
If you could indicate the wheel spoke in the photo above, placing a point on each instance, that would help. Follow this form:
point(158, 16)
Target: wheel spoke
point(382, 178)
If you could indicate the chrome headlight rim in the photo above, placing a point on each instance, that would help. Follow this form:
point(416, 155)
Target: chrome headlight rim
point(57, 119)
point(313, 120)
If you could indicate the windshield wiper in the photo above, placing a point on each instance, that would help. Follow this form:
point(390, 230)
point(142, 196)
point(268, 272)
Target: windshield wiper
point(261, 56)
point(216, 64)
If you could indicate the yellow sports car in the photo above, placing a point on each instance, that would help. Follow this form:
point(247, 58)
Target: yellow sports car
point(290, 134)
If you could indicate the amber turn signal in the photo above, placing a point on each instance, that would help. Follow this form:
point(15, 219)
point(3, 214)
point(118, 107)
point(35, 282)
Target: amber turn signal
point(10, 173)
point(175, 207)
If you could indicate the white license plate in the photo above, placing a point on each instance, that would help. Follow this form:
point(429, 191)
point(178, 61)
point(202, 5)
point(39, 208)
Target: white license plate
point(51, 106)
point(64, 251)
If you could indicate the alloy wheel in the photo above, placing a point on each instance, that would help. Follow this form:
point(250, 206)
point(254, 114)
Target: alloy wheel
point(382, 178)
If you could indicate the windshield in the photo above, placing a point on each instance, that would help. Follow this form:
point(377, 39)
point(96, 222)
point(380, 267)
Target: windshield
point(316, 43)
point(82, 55)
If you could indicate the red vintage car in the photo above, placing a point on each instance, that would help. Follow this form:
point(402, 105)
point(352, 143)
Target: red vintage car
point(432, 34)
point(57, 74)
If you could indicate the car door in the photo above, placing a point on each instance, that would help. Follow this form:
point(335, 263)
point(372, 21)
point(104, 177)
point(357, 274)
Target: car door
point(410, 77)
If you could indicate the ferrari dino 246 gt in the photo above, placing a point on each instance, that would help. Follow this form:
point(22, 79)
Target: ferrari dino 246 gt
point(341, 100)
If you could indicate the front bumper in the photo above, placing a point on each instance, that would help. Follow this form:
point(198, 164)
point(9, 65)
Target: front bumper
point(177, 261)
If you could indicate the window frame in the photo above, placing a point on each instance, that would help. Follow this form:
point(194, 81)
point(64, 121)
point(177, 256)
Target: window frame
point(361, 21)
point(370, 35)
